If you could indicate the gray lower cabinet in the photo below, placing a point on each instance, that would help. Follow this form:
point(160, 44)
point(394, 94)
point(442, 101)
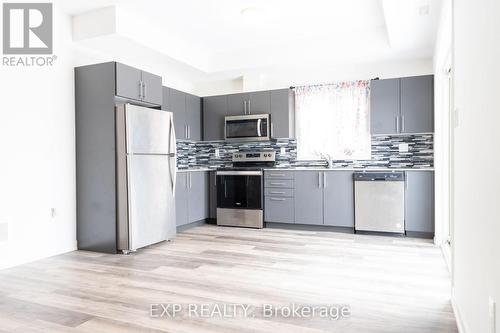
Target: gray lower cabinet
point(279, 209)
point(338, 199)
point(308, 197)
point(384, 106)
point(191, 197)
point(181, 199)
point(215, 108)
point(419, 211)
point(279, 197)
point(198, 199)
point(417, 104)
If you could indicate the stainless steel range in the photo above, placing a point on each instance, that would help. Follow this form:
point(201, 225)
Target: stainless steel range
point(240, 190)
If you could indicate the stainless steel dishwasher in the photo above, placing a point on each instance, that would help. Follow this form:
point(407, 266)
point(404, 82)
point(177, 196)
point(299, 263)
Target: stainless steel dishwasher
point(379, 199)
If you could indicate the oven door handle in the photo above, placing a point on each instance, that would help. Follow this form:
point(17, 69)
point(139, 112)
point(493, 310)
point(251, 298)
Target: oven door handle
point(239, 173)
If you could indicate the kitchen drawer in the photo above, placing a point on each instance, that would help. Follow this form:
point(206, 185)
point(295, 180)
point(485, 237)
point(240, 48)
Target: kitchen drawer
point(278, 174)
point(279, 209)
point(281, 183)
point(279, 192)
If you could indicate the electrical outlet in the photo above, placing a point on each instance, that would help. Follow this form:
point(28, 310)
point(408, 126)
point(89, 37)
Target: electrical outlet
point(403, 147)
point(282, 151)
point(493, 313)
point(217, 152)
point(53, 212)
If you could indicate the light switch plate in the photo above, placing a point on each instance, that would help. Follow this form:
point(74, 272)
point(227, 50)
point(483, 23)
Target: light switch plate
point(282, 150)
point(403, 148)
point(217, 152)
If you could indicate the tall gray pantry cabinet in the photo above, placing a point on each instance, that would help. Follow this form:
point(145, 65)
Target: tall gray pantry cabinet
point(98, 88)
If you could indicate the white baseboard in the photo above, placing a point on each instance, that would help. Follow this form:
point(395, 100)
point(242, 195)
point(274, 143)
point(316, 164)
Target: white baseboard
point(458, 316)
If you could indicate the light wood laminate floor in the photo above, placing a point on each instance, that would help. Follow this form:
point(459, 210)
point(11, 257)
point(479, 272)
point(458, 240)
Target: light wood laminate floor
point(391, 284)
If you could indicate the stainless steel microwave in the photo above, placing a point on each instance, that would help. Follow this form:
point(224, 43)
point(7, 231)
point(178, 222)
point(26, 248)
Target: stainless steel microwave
point(255, 127)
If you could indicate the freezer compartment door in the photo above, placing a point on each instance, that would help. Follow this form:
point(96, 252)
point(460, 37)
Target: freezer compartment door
point(151, 203)
point(148, 130)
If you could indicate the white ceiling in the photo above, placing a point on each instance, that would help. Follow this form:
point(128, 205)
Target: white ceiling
point(214, 36)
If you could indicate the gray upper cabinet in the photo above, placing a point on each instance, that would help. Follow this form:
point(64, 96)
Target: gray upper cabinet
point(165, 105)
point(259, 102)
point(139, 85)
point(181, 199)
point(384, 106)
point(308, 197)
point(237, 104)
point(278, 103)
point(128, 82)
point(215, 108)
point(419, 211)
point(198, 200)
point(404, 105)
point(417, 104)
point(193, 117)
point(187, 113)
point(152, 89)
point(178, 107)
point(338, 199)
point(282, 114)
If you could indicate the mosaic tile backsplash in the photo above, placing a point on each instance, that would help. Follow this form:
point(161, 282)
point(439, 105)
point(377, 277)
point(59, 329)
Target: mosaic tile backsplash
point(385, 153)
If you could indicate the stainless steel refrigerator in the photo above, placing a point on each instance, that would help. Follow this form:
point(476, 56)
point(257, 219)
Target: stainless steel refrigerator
point(146, 162)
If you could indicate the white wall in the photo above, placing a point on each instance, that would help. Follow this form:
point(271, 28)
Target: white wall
point(477, 157)
point(277, 78)
point(37, 166)
point(37, 143)
point(442, 59)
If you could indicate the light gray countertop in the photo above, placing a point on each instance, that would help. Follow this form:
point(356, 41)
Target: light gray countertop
point(319, 169)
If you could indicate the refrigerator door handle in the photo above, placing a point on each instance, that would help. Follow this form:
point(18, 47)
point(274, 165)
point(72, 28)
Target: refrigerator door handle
point(172, 155)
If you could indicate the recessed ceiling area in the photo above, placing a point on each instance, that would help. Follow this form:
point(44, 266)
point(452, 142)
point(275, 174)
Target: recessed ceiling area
point(242, 36)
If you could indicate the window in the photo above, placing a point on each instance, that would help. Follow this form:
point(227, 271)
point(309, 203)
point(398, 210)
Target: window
point(333, 121)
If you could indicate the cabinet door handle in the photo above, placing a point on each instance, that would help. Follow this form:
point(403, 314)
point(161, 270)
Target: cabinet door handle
point(278, 184)
point(140, 89)
point(319, 179)
point(397, 124)
point(277, 174)
point(245, 107)
point(402, 123)
point(277, 199)
point(249, 108)
point(277, 192)
point(143, 90)
point(189, 131)
point(324, 179)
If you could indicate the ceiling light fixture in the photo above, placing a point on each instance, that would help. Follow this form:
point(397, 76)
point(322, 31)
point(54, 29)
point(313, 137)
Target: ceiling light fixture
point(250, 12)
